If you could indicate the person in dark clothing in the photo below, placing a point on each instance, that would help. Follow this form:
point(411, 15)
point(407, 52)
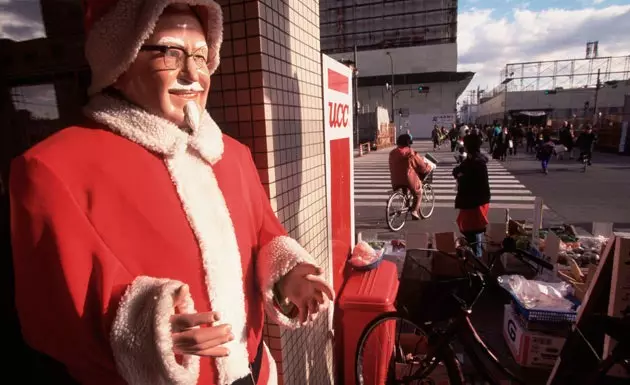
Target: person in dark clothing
point(473, 194)
point(585, 143)
point(545, 151)
point(502, 144)
point(530, 138)
point(435, 137)
point(453, 135)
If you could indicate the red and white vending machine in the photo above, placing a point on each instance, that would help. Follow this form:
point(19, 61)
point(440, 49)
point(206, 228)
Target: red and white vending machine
point(338, 134)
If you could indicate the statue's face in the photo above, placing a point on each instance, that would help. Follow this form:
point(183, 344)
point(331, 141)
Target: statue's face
point(171, 68)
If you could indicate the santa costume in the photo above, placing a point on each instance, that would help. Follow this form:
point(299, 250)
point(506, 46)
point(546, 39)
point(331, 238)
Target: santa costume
point(112, 216)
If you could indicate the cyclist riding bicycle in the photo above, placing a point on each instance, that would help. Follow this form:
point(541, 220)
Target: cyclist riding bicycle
point(407, 168)
point(585, 143)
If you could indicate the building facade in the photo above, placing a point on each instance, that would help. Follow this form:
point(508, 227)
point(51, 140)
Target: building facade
point(559, 90)
point(404, 44)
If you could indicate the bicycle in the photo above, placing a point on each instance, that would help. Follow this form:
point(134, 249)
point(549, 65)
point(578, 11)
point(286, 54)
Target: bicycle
point(405, 201)
point(431, 330)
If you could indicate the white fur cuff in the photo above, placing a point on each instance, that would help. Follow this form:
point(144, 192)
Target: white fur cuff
point(141, 335)
point(275, 260)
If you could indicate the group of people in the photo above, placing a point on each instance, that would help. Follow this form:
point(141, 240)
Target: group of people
point(545, 148)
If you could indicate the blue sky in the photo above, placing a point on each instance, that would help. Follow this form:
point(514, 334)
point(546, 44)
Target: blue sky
point(506, 6)
point(492, 33)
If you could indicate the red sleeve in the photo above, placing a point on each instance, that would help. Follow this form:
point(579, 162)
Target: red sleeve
point(67, 282)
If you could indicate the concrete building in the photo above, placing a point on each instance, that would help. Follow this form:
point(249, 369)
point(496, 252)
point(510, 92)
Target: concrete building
point(405, 43)
point(553, 91)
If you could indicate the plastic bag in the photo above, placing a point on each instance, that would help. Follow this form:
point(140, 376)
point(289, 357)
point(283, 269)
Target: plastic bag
point(538, 295)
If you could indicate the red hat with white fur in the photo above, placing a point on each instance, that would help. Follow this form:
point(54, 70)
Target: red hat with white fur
point(116, 29)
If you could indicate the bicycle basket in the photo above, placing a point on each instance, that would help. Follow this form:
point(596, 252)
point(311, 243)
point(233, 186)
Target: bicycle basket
point(426, 298)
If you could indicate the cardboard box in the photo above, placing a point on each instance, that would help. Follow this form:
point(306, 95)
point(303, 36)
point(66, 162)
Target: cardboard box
point(529, 348)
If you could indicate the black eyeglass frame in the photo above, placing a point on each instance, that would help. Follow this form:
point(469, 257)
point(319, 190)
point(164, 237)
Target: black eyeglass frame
point(165, 48)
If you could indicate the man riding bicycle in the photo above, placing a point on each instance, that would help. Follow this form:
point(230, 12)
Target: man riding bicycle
point(585, 143)
point(407, 168)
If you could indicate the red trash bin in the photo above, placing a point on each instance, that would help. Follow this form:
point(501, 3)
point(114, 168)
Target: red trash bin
point(366, 295)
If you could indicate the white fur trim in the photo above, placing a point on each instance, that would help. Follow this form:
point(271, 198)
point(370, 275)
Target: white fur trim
point(152, 132)
point(210, 220)
point(273, 370)
point(115, 39)
point(274, 261)
point(141, 335)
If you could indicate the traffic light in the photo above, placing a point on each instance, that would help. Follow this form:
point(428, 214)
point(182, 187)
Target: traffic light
point(423, 89)
point(550, 92)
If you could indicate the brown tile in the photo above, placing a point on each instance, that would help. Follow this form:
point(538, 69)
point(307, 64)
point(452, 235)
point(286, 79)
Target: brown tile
point(226, 48)
point(231, 114)
point(261, 160)
point(251, 27)
point(244, 113)
point(251, 9)
point(215, 83)
point(256, 79)
point(227, 32)
point(237, 12)
point(240, 47)
point(243, 97)
point(227, 65)
point(258, 115)
point(254, 44)
point(257, 95)
point(238, 30)
point(229, 98)
point(260, 144)
point(228, 82)
point(217, 114)
point(245, 129)
point(240, 64)
point(255, 62)
point(242, 80)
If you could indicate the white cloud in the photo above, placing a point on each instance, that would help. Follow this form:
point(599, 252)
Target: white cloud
point(486, 43)
point(21, 20)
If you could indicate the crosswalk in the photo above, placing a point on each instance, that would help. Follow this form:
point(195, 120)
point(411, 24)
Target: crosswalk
point(372, 184)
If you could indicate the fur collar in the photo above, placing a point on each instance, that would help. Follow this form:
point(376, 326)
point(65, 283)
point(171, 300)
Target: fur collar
point(153, 132)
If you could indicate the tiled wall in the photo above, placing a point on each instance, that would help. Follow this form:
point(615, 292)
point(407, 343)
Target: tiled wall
point(267, 93)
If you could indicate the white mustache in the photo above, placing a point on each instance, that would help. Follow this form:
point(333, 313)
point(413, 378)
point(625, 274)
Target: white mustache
point(193, 87)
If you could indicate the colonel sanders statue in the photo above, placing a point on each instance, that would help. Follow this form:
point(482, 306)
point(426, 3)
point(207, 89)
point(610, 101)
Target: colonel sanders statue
point(145, 247)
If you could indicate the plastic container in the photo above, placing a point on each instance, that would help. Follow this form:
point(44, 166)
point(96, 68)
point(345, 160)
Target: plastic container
point(532, 315)
point(366, 295)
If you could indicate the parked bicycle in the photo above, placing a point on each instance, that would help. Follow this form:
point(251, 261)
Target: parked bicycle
point(433, 314)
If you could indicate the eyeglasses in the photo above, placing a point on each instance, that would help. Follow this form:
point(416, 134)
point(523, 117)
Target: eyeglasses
point(175, 57)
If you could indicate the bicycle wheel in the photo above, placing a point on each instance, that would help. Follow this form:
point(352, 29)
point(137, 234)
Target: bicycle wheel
point(397, 210)
point(428, 201)
point(393, 350)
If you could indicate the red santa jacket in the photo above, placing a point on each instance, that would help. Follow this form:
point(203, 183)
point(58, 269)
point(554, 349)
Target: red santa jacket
point(106, 226)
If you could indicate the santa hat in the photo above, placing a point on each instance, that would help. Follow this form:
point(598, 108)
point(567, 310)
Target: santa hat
point(116, 29)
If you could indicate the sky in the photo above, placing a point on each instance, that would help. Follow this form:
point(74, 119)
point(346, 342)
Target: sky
point(492, 33)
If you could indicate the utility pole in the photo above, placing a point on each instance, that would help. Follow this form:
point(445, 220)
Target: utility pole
point(391, 67)
point(355, 74)
point(597, 87)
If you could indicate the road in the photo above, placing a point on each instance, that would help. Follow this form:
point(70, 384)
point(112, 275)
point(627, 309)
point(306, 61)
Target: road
point(601, 194)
